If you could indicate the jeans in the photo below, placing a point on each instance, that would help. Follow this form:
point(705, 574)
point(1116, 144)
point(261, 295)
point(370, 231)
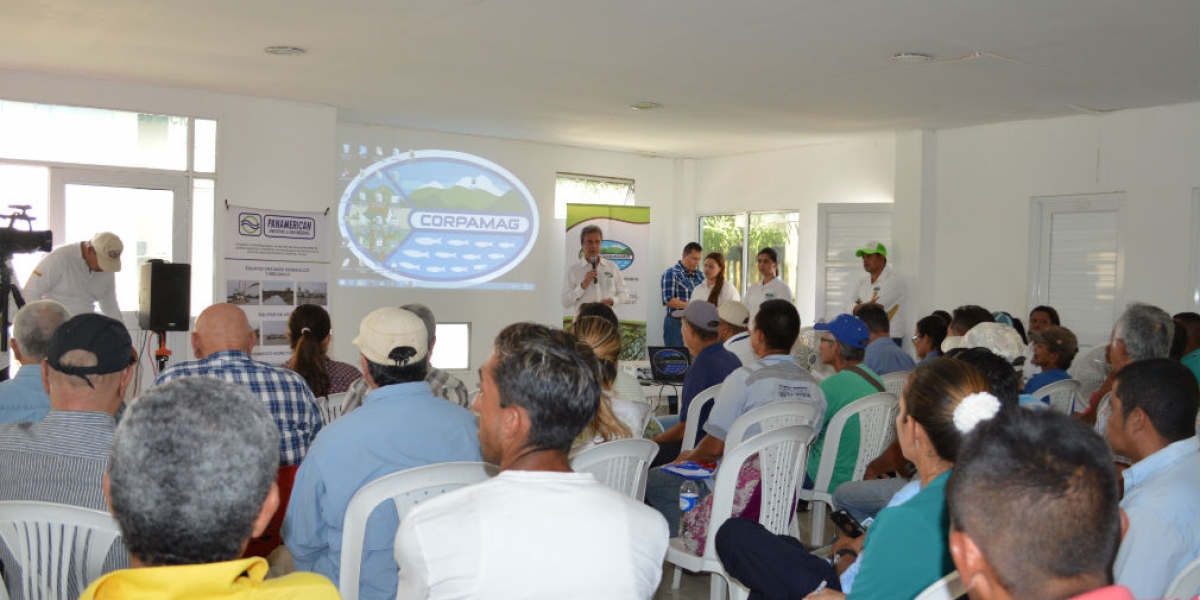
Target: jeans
point(772, 566)
point(864, 499)
point(662, 493)
point(672, 331)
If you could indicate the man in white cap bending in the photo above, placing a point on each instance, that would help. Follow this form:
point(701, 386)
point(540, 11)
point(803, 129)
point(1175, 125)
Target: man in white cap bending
point(80, 275)
point(883, 286)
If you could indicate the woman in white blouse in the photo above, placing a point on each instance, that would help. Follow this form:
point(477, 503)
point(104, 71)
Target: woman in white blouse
point(715, 289)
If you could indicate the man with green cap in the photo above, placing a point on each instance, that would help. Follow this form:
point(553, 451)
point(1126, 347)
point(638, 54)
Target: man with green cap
point(881, 285)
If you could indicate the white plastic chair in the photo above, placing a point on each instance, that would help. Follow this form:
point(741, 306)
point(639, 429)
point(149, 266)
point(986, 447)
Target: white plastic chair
point(876, 414)
point(691, 429)
point(57, 547)
point(623, 465)
point(1062, 395)
point(893, 382)
point(330, 407)
point(779, 413)
point(949, 587)
point(406, 489)
point(781, 454)
point(1187, 583)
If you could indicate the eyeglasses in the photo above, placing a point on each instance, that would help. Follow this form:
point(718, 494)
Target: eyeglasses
point(916, 337)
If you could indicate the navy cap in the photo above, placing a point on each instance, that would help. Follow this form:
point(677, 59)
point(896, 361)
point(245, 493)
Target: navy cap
point(103, 336)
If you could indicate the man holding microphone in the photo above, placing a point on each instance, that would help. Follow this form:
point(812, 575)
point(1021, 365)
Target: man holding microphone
point(592, 278)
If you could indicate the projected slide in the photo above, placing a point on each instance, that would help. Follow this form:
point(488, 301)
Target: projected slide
point(434, 218)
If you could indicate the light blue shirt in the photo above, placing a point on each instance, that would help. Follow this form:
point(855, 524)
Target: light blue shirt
point(398, 427)
point(772, 378)
point(23, 398)
point(884, 356)
point(1162, 501)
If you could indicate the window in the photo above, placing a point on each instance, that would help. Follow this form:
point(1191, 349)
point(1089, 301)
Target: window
point(741, 236)
point(93, 136)
point(571, 188)
point(843, 229)
point(1076, 261)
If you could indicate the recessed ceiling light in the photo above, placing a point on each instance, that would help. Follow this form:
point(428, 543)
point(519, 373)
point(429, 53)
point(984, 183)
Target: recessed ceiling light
point(645, 106)
point(284, 50)
point(911, 57)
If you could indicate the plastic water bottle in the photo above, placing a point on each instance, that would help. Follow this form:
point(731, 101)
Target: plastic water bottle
point(689, 496)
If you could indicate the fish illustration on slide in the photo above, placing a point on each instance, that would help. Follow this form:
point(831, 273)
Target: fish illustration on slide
point(445, 255)
point(458, 242)
point(415, 253)
point(482, 244)
point(472, 256)
point(428, 241)
point(495, 256)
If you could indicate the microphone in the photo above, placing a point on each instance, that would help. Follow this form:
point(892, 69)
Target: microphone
point(595, 265)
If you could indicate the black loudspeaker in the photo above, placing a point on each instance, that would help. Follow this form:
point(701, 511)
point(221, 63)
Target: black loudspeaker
point(164, 296)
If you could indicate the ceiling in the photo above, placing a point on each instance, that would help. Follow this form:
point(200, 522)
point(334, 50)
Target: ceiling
point(732, 76)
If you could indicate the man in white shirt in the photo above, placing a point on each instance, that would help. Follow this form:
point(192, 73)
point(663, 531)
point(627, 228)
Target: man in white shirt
point(881, 285)
point(592, 278)
point(536, 530)
point(80, 275)
point(771, 287)
point(733, 331)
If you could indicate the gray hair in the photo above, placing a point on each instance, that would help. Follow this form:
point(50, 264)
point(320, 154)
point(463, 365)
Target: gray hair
point(1145, 330)
point(589, 229)
point(849, 353)
point(34, 324)
point(426, 317)
point(192, 463)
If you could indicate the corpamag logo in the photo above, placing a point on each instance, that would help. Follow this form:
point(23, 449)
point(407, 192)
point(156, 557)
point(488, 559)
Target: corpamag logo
point(617, 252)
point(296, 228)
point(250, 224)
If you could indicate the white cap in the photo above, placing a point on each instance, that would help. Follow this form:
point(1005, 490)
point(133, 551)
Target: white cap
point(388, 329)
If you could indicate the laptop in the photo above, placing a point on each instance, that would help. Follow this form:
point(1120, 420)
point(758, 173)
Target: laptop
point(668, 364)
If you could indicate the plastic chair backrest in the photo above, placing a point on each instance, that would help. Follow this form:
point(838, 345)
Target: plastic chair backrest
point(781, 453)
point(692, 427)
point(893, 382)
point(949, 587)
point(876, 415)
point(779, 413)
point(1062, 395)
point(623, 465)
point(57, 547)
point(405, 489)
point(1187, 583)
point(331, 407)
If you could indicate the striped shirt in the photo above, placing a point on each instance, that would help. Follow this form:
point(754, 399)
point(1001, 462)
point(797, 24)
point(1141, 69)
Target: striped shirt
point(286, 394)
point(677, 282)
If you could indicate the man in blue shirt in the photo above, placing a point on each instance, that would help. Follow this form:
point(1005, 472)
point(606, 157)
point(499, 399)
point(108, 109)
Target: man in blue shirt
point(882, 355)
point(677, 285)
point(711, 364)
point(24, 398)
point(1152, 423)
point(400, 425)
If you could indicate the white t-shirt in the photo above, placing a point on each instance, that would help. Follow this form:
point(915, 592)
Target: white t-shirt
point(531, 534)
point(758, 293)
point(740, 346)
point(64, 276)
point(728, 292)
point(888, 291)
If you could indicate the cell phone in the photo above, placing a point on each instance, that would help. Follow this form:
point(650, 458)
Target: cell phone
point(847, 524)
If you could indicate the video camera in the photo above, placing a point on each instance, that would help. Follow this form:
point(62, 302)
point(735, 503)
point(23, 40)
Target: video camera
point(15, 241)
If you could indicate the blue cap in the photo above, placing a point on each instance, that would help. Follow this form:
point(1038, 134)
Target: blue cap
point(848, 329)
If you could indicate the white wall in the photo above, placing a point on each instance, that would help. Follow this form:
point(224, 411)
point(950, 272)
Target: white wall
point(798, 179)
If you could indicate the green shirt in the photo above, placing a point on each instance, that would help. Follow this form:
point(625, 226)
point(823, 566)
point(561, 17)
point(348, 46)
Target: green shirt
point(840, 390)
point(1192, 361)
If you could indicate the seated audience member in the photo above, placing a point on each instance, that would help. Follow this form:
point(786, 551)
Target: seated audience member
point(24, 398)
point(964, 319)
point(626, 386)
point(222, 341)
point(1153, 420)
point(192, 479)
point(776, 376)
point(715, 289)
point(711, 364)
point(842, 343)
point(882, 354)
point(1141, 332)
point(1053, 350)
point(1179, 343)
point(928, 337)
point(1050, 475)
point(443, 384)
point(308, 334)
point(616, 418)
point(733, 331)
point(62, 458)
point(1040, 318)
point(1006, 319)
point(905, 549)
point(400, 425)
point(1190, 321)
point(536, 530)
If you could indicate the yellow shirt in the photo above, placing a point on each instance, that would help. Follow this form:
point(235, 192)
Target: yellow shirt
point(241, 579)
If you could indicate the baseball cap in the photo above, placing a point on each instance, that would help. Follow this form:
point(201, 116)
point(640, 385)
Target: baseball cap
point(388, 329)
point(997, 337)
point(734, 313)
point(702, 315)
point(848, 329)
point(108, 251)
point(1060, 340)
point(871, 247)
point(103, 336)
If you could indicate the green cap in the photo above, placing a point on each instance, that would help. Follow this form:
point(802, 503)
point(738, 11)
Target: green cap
point(872, 247)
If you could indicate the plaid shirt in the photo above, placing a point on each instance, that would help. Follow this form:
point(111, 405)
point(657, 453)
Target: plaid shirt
point(678, 283)
point(442, 384)
point(287, 395)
